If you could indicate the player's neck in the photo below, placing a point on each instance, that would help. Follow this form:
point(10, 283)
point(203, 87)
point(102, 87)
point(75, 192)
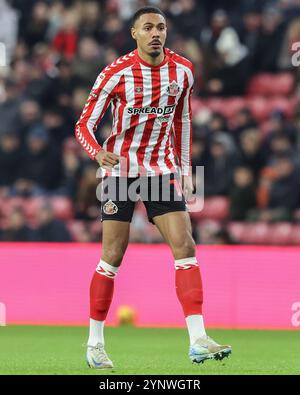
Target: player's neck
point(153, 61)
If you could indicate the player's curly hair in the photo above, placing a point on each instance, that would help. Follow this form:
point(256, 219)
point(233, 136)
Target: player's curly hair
point(146, 10)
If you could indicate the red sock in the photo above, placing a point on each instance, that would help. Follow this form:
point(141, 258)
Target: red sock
point(101, 292)
point(189, 286)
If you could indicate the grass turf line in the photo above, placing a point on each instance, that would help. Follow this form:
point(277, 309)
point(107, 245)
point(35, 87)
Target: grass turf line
point(60, 350)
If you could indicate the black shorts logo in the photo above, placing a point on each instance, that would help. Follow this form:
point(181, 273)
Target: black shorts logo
point(110, 208)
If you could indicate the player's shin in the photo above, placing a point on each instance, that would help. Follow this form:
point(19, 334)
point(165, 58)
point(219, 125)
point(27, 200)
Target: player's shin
point(190, 294)
point(101, 293)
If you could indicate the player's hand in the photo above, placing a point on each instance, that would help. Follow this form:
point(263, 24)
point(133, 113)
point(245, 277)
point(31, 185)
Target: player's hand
point(107, 160)
point(187, 187)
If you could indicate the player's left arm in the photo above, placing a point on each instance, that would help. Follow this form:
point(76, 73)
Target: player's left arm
point(182, 128)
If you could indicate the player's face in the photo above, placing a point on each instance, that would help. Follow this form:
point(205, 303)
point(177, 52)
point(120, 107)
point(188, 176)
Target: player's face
point(150, 32)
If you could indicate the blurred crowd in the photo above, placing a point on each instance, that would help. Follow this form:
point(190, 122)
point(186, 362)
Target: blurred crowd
point(50, 55)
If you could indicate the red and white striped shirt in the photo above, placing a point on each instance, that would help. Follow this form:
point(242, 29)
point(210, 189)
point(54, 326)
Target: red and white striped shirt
point(151, 110)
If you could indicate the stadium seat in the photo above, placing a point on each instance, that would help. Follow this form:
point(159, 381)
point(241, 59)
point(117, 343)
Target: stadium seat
point(256, 233)
point(33, 205)
point(280, 234)
point(282, 104)
point(236, 230)
point(62, 207)
point(8, 204)
point(282, 84)
point(216, 208)
point(266, 84)
point(76, 228)
point(198, 105)
point(232, 105)
point(259, 107)
point(95, 228)
point(294, 238)
point(249, 233)
point(215, 104)
point(259, 84)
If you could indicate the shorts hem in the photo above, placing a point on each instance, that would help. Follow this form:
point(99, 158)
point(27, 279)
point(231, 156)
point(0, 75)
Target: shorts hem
point(150, 219)
point(115, 219)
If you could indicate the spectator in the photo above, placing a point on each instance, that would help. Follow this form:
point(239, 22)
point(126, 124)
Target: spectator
point(36, 27)
point(219, 168)
point(251, 153)
point(50, 229)
point(10, 106)
point(280, 146)
point(242, 194)
point(17, 230)
point(250, 34)
point(242, 120)
point(87, 205)
point(71, 168)
point(113, 32)
point(284, 194)
point(217, 123)
point(65, 41)
point(199, 154)
point(62, 88)
point(29, 116)
point(270, 40)
point(90, 19)
point(87, 65)
point(232, 69)
point(8, 29)
point(53, 120)
point(10, 158)
point(280, 126)
point(188, 17)
point(41, 162)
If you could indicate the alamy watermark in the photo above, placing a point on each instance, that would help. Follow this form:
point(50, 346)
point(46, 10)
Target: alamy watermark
point(2, 314)
point(151, 187)
point(296, 55)
point(3, 60)
point(296, 316)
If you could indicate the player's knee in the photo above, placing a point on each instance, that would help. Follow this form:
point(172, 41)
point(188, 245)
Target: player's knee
point(184, 248)
point(113, 254)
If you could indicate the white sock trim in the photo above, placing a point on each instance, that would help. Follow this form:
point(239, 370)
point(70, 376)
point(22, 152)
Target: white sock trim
point(186, 263)
point(96, 332)
point(106, 269)
point(195, 325)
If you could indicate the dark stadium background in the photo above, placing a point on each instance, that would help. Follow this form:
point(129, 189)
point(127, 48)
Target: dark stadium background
point(246, 116)
point(246, 124)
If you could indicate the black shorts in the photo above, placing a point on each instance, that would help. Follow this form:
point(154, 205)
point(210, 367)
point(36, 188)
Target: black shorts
point(160, 194)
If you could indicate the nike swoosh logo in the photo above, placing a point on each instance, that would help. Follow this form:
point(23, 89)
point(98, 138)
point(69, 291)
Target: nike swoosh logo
point(96, 363)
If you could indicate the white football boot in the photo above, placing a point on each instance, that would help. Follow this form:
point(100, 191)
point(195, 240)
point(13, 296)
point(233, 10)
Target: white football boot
point(97, 358)
point(206, 348)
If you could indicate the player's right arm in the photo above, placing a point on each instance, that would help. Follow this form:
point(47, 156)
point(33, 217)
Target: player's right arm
point(97, 103)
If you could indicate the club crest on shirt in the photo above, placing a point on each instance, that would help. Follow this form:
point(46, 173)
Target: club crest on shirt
point(173, 89)
point(110, 207)
point(138, 90)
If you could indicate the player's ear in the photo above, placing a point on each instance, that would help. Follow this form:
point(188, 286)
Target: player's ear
point(133, 33)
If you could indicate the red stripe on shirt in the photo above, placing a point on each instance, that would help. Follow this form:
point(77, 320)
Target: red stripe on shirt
point(171, 100)
point(121, 93)
point(134, 120)
point(155, 82)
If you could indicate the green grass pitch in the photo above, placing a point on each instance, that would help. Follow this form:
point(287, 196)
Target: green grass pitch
point(60, 350)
